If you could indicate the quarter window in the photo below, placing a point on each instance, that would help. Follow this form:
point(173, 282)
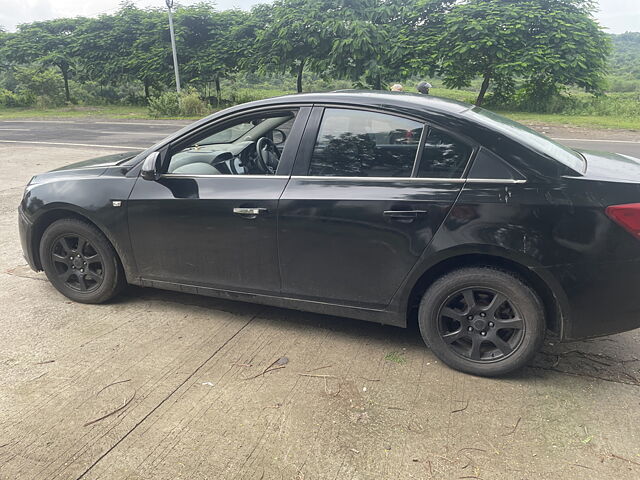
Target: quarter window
point(443, 156)
point(355, 143)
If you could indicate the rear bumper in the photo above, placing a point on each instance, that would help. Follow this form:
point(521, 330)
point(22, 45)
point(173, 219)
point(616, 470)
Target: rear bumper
point(25, 228)
point(602, 298)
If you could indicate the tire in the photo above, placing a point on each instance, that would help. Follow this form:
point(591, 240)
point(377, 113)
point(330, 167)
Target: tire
point(482, 321)
point(80, 262)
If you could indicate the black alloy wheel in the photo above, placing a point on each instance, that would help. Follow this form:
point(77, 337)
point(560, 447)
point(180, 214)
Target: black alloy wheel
point(80, 262)
point(481, 325)
point(77, 262)
point(482, 320)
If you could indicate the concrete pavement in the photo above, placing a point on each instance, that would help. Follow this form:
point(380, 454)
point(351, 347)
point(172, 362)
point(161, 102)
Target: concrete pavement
point(162, 385)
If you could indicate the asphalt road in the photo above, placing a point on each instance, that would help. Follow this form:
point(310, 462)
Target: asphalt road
point(131, 135)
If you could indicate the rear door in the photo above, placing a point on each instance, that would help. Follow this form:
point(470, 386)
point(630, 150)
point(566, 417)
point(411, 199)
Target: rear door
point(369, 190)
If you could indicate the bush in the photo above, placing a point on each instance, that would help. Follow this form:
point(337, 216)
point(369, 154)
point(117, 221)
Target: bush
point(624, 84)
point(170, 104)
point(243, 95)
point(11, 99)
point(164, 105)
point(44, 102)
point(191, 105)
point(94, 93)
point(34, 82)
point(570, 103)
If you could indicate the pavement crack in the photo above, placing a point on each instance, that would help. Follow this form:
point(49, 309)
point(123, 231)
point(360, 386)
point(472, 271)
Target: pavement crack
point(7, 272)
point(164, 400)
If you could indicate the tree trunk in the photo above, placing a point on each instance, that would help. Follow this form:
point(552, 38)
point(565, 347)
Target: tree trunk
point(146, 89)
point(299, 82)
point(378, 83)
point(218, 89)
point(483, 88)
point(65, 76)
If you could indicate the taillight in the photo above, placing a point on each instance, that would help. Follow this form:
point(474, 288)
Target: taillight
point(627, 216)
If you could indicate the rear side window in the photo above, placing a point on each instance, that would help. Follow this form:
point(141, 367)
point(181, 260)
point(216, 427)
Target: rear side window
point(443, 156)
point(355, 143)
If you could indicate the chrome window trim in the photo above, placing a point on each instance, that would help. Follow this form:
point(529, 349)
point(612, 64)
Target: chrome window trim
point(496, 180)
point(411, 179)
point(358, 179)
point(379, 179)
point(186, 175)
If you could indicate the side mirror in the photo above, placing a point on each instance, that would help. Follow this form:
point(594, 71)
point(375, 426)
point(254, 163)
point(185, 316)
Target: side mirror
point(278, 136)
point(151, 167)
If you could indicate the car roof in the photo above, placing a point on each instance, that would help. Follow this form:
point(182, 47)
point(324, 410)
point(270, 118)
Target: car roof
point(443, 112)
point(371, 98)
point(364, 98)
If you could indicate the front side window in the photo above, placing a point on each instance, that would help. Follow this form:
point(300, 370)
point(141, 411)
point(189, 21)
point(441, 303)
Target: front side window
point(250, 146)
point(355, 143)
point(443, 156)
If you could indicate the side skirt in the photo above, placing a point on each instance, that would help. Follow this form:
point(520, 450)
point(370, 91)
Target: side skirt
point(384, 317)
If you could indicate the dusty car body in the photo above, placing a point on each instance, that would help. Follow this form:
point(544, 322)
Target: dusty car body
point(319, 218)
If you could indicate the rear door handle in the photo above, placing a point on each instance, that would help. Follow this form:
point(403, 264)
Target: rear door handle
point(249, 212)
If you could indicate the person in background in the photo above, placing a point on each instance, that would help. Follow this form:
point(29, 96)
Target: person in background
point(423, 87)
point(396, 87)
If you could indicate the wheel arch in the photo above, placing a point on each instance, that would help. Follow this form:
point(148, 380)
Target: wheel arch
point(47, 218)
point(555, 311)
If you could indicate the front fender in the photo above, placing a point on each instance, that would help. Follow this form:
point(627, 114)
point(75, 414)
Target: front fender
point(92, 199)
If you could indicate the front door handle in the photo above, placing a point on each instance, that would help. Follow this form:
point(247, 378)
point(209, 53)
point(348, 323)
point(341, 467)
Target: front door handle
point(249, 212)
point(405, 214)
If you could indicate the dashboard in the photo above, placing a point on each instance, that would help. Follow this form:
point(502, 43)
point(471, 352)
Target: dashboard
point(216, 159)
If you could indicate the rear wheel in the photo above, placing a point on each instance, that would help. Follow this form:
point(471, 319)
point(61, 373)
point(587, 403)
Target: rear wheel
point(80, 262)
point(482, 321)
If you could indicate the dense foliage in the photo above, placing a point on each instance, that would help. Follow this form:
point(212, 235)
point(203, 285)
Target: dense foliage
point(625, 59)
point(523, 51)
point(545, 43)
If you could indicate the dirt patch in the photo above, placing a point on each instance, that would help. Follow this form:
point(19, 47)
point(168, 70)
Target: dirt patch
point(587, 133)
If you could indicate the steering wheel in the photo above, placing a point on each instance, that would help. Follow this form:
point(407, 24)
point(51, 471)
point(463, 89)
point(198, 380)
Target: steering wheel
point(268, 155)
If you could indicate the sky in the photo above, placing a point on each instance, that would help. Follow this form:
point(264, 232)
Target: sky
point(618, 16)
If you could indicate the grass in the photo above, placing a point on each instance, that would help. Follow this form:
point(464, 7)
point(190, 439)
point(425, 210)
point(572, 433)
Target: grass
point(111, 111)
point(591, 121)
point(395, 357)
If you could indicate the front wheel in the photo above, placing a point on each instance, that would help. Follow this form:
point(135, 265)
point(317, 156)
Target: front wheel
point(80, 262)
point(482, 321)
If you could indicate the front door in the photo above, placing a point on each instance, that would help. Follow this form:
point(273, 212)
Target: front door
point(211, 219)
point(373, 190)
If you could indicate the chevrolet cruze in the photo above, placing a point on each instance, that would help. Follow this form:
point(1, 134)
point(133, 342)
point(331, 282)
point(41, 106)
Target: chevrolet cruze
point(391, 208)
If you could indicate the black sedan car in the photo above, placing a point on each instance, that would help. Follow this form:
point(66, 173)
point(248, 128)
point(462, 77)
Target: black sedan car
point(392, 208)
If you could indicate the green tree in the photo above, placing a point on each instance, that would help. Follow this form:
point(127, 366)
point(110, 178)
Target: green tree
point(211, 44)
point(549, 43)
point(132, 44)
point(4, 53)
point(362, 46)
point(150, 60)
point(569, 49)
point(625, 58)
point(50, 42)
point(295, 36)
point(39, 85)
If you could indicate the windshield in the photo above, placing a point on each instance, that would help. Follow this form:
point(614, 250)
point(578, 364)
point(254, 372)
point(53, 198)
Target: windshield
point(529, 138)
point(229, 135)
point(247, 131)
